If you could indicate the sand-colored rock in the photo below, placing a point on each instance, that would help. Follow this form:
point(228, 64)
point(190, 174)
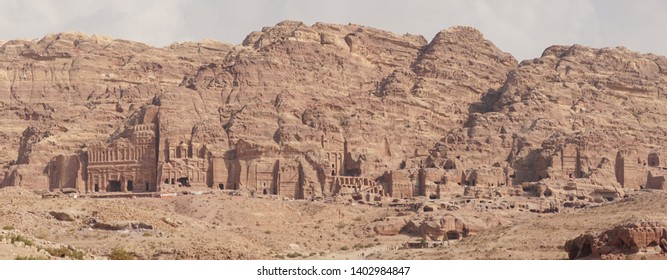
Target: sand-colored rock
point(623, 239)
point(453, 133)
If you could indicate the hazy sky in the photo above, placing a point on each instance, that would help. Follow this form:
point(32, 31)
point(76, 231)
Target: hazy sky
point(522, 27)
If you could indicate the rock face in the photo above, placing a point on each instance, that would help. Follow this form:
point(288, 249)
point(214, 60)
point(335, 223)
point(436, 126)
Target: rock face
point(435, 227)
point(625, 239)
point(312, 111)
point(447, 227)
point(390, 227)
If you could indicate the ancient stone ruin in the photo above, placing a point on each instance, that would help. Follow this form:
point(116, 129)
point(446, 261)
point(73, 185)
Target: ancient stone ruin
point(311, 112)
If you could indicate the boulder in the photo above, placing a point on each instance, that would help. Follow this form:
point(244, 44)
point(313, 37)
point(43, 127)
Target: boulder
point(63, 216)
point(389, 227)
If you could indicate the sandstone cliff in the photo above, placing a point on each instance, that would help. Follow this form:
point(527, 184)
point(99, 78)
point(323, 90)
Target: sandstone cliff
point(292, 95)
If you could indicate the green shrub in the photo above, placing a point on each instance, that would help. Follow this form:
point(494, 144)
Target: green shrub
point(120, 254)
point(294, 255)
point(362, 246)
point(344, 248)
point(28, 258)
point(8, 228)
point(64, 252)
point(19, 238)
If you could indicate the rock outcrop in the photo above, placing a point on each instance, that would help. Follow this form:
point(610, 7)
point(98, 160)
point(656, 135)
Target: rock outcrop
point(648, 237)
point(305, 112)
point(389, 227)
point(435, 227)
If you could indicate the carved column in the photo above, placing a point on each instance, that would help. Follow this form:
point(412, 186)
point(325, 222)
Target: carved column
point(103, 183)
point(88, 182)
point(123, 184)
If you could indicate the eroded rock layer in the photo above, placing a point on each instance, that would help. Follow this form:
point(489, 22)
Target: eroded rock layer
point(313, 111)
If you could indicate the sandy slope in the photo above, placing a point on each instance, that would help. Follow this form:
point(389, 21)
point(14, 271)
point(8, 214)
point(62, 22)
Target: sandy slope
point(543, 236)
point(221, 226)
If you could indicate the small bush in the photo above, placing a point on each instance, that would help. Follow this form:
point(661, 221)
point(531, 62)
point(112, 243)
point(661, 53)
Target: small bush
point(344, 248)
point(19, 238)
point(29, 258)
point(120, 254)
point(8, 228)
point(362, 246)
point(279, 257)
point(294, 255)
point(267, 232)
point(64, 252)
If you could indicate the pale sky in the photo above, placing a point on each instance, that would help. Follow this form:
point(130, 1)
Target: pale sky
point(523, 28)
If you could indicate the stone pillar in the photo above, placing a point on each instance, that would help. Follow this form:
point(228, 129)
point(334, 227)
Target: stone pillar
point(103, 182)
point(88, 182)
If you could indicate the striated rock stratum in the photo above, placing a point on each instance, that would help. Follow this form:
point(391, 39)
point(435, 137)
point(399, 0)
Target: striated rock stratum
point(332, 110)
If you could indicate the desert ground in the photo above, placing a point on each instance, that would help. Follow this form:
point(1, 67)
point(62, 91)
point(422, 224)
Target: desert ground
point(224, 225)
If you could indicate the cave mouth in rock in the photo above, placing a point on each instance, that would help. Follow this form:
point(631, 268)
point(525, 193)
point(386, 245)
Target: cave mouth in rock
point(453, 235)
point(586, 250)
